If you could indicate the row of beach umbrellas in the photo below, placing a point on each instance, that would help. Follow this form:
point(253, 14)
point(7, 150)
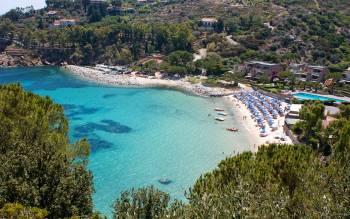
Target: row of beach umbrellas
point(262, 108)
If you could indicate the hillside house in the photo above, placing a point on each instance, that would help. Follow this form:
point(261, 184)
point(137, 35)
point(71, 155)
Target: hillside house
point(298, 71)
point(317, 73)
point(305, 72)
point(257, 69)
point(64, 23)
point(51, 14)
point(208, 23)
point(97, 2)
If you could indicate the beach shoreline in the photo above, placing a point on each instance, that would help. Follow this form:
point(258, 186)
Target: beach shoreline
point(133, 81)
point(234, 104)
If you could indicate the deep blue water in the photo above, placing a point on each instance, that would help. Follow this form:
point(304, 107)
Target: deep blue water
point(137, 136)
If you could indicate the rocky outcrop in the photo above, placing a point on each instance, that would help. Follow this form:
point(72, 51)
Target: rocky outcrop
point(16, 61)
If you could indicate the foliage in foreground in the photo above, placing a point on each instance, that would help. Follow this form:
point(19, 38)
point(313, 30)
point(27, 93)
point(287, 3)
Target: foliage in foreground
point(39, 168)
point(19, 211)
point(280, 181)
point(333, 138)
point(48, 176)
point(143, 203)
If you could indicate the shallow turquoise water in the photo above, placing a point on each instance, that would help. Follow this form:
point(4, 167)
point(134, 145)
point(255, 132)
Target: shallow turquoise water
point(137, 135)
point(307, 96)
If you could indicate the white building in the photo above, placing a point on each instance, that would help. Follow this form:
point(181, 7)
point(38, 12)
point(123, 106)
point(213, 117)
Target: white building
point(208, 22)
point(64, 23)
point(51, 13)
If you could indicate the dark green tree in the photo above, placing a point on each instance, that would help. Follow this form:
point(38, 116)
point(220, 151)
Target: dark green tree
point(279, 181)
point(219, 26)
point(21, 212)
point(213, 64)
point(180, 58)
point(146, 203)
point(39, 167)
point(309, 128)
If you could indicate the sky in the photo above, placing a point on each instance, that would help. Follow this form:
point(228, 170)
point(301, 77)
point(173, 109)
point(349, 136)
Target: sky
point(6, 5)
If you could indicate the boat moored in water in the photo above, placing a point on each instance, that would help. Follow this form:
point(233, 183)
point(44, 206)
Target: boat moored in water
point(219, 110)
point(219, 119)
point(164, 181)
point(222, 114)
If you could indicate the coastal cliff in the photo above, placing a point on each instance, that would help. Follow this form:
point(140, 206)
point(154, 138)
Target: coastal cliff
point(14, 56)
point(7, 60)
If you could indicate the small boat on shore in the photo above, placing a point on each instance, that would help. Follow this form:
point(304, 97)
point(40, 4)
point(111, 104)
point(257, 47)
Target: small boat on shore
point(222, 114)
point(263, 134)
point(219, 119)
point(219, 110)
point(232, 129)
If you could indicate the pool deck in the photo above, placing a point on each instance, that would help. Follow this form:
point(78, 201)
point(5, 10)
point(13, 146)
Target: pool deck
point(347, 99)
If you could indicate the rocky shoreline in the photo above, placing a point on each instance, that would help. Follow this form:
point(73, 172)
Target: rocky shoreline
point(121, 80)
point(7, 61)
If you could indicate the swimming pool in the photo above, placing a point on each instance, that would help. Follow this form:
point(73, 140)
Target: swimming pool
point(308, 96)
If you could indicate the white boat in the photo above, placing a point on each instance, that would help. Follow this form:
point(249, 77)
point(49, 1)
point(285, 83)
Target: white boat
point(219, 109)
point(222, 114)
point(219, 119)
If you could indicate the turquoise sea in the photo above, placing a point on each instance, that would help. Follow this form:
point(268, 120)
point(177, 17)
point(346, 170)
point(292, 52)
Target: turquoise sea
point(138, 136)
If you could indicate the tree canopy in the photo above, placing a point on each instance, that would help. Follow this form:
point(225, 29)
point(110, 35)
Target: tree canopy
point(39, 167)
point(280, 181)
point(309, 128)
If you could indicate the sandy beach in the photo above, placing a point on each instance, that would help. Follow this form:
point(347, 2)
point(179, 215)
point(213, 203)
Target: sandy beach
point(121, 80)
point(128, 80)
point(252, 128)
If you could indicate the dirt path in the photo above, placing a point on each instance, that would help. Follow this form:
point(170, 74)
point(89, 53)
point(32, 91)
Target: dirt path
point(231, 41)
point(202, 53)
